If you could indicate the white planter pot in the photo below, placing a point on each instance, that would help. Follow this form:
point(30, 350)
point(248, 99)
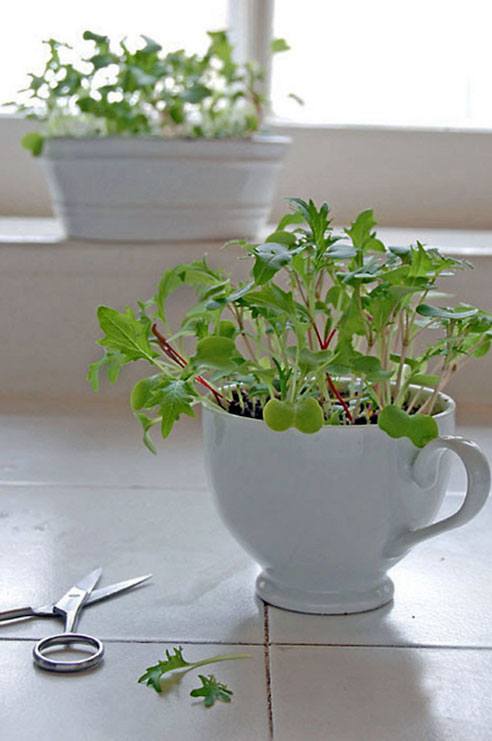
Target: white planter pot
point(125, 188)
point(327, 515)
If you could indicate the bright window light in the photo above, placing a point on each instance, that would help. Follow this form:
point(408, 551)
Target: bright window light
point(420, 63)
point(175, 25)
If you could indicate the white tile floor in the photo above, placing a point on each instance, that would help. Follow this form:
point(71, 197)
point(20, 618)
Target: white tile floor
point(77, 490)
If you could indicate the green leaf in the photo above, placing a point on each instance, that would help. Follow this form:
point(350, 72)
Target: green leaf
point(196, 93)
point(151, 46)
point(91, 36)
point(425, 379)
point(308, 416)
point(112, 362)
point(153, 674)
point(196, 274)
point(440, 313)
point(125, 333)
point(360, 232)
point(278, 45)
point(34, 142)
point(217, 352)
point(147, 425)
point(211, 691)
point(270, 258)
point(102, 60)
point(175, 398)
point(226, 329)
point(273, 297)
point(289, 219)
point(143, 393)
point(175, 662)
point(278, 415)
point(419, 428)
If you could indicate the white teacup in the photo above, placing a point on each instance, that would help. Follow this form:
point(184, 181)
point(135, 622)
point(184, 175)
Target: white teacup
point(326, 515)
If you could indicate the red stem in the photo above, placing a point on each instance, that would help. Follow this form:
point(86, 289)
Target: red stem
point(340, 398)
point(327, 341)
point(174, 355)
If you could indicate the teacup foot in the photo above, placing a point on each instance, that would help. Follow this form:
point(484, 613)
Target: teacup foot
point(323, 603)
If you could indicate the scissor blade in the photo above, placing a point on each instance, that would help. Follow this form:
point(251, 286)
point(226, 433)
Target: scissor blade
point(88, 583)
point(109, 591)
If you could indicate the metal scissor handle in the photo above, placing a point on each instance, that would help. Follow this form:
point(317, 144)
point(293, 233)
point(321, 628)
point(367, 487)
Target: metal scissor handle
point(45, 661)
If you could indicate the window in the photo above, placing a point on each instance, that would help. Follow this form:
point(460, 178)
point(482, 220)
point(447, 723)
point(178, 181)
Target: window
point(421, 63)
point(174, 24)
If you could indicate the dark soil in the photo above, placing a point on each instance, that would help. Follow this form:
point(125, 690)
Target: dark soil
point(242, 406)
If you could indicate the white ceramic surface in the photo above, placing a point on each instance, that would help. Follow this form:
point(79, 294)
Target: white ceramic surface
point(327, 515)
point(381, 694)
point(154, 189)
point(203, 591)
point(108, 704)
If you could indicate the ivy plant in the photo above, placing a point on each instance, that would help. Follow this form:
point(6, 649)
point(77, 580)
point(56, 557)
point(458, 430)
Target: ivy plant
point(112, 88)
point(329, 328)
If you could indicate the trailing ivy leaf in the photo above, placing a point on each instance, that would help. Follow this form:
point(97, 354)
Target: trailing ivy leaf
point(211, 691)
point(419, 428)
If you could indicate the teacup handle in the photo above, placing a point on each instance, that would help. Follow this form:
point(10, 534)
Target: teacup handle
point(425, 471)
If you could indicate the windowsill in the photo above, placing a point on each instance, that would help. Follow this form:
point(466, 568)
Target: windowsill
point(52, 286)
point(457, 242)
point(286, 124)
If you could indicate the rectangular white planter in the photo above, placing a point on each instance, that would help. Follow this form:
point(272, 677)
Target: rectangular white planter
point(122, 188)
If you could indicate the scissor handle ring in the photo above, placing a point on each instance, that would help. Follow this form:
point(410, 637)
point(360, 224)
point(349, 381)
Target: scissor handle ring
point(63, 639)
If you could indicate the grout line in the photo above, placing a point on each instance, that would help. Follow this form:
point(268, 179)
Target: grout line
point(96, 485)
point(148, 640)
point(400, 646)
point(267, 644)
point(268, 666)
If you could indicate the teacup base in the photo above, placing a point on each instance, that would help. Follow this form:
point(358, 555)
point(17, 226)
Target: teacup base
point(323, 603)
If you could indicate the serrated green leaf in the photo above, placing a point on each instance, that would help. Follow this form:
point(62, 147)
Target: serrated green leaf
point(212, 691)
point(112, 362)
point(125, 333)
point(174, 398)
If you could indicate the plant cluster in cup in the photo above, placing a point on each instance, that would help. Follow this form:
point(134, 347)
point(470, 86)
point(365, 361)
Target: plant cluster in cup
point(329, 329)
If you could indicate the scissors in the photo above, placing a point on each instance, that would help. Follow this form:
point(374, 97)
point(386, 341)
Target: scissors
point(69, 608)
